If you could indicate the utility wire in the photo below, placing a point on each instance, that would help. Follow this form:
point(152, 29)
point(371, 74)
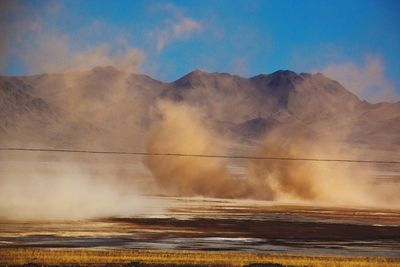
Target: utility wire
point(198, 155)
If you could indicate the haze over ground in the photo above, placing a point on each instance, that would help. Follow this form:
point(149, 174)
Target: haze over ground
point(282, 114)
point(74, 79)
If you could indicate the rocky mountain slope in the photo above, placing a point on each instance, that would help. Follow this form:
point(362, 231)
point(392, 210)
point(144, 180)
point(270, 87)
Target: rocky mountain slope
point(115, 108)
point(28, 120)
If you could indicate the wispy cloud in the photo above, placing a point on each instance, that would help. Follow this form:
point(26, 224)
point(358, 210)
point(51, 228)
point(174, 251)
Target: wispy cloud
point(55, 54)
point(176, 26)
point(367, 80)
point(29, 37)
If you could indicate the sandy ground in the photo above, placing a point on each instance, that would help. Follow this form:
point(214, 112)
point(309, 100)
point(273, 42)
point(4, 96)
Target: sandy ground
point(228, 225)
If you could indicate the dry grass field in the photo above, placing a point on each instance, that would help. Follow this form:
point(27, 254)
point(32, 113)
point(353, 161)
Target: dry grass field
point(94, 257)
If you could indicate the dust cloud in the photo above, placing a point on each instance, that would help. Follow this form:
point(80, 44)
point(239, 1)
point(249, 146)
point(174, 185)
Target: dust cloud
point(49, 187)
point(67, 188)
point(70, 192)
point(182, 129)
point(313, 182)
point(107, 108)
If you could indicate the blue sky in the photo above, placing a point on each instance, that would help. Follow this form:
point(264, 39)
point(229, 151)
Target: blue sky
point(167, 39)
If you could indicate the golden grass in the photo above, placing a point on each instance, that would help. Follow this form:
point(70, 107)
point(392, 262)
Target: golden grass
point(17, 256)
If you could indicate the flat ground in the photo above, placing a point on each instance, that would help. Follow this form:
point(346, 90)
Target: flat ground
point(211, 232)
point(223, 225)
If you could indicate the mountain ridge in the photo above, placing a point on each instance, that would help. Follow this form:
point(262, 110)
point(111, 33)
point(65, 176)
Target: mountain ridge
point(121, 103)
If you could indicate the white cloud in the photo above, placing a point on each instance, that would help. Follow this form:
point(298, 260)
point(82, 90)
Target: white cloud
point(29, 37)
point(368, 80)
point(186, 26)
point(176, 27)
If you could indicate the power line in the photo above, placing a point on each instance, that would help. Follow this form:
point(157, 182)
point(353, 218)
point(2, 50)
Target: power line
point(197, 155)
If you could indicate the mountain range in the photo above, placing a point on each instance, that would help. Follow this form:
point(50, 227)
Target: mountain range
point(108, 108)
